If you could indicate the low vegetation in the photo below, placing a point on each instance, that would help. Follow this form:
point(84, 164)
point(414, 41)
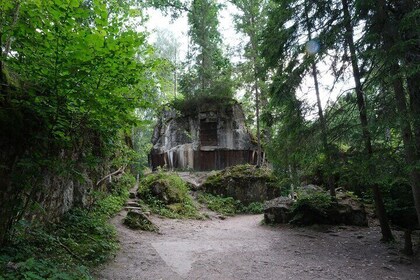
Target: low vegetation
point(70, 248)
point(192, 105)
point(229, 206)
point(166, 194)
point(243, 172)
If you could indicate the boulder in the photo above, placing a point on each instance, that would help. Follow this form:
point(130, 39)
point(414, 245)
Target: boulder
point(347, 210)
point(246, 183)
point(310, 188)
point(165, 192)
point(136, 219)
point(277, 210)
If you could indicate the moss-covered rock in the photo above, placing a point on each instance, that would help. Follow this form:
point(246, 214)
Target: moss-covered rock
point(166, 187)
point(245, 183)
point(316, 207)
point(166, 194)
point(135, 219)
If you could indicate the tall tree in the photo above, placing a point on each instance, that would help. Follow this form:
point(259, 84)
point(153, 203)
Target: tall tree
point(211, 73)
point(167, 48)
point(361, 103)
point(312, 48)
point(251, 22)
point(397, 55)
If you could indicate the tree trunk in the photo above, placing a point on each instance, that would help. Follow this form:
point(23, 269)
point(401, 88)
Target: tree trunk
point(257, 113)
point(411, 156)
point(379, 204)
point(408, 243)
point(324, 136)
point(411, 140)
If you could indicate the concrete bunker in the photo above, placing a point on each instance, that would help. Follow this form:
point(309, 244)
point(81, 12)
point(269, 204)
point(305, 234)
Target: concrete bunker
point(211, 135)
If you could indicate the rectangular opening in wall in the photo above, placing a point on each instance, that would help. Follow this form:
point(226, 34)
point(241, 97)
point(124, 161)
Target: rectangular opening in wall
point(208, 133)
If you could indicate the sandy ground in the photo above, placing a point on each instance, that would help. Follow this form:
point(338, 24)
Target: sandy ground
point(241, 248)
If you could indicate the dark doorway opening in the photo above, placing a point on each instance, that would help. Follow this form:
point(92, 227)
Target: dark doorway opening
point(208, 133)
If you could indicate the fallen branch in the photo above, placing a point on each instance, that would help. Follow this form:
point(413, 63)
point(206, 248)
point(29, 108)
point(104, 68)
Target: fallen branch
point(70, 251)
point(119, 171)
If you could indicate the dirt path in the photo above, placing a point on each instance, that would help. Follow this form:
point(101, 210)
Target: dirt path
point(241, 248)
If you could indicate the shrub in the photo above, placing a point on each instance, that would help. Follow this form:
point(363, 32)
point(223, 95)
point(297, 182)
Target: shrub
point(319, 201)
point(66, 250)
point(229, 206)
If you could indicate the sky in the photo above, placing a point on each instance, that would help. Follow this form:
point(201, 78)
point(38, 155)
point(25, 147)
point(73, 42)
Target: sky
point(232, 40)
point(179, 28)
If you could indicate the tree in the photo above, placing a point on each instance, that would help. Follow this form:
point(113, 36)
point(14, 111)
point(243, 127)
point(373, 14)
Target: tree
point(167, 48)
point(251, 22)
point(73, 83)
point(396, 55)
point(211, 73)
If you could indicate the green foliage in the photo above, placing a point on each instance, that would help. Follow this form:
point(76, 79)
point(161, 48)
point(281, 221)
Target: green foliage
point(67, 249)
point(222, 205)
point(211, 73)
point(195, 104)
point(241, 173)
point(318, 201)
point(229, 206)
point(166, 194)
point(75, 75)
point(254, 208)
point(110, 204)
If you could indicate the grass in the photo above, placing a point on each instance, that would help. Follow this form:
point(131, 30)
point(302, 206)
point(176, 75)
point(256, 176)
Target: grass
point(68, 249)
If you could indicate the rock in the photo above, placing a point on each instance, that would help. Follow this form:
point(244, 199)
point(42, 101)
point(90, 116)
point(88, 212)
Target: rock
point(136, 219)
point(165, 192)
point(310, 188)
point(277, 210)
point(132, 208)
point(346, 210)
point(246, 183)
point(132, 204)
point(132, 195)
point(316, 208)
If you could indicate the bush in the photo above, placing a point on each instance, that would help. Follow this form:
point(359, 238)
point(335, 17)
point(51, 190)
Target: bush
point(319, 201)
point(66, 250)
point(229, 206)
point(311, 208)
point(166, 194)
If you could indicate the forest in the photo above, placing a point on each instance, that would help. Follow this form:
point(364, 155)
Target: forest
point(330, 88)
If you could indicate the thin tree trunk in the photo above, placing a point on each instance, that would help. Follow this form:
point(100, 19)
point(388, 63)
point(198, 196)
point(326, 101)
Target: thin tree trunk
point(15, 19)
point(324, 135)
point(257, 113)
point(379, 204)
point(254, 47)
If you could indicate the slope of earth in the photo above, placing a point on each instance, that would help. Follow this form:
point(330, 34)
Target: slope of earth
point(241, 248)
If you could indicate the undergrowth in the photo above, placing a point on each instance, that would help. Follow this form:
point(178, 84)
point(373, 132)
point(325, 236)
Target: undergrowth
point(229, 206)
point(68, 249)
point(166, 194)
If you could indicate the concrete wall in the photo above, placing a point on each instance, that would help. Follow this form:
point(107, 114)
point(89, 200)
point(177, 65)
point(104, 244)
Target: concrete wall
point(177, 142)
